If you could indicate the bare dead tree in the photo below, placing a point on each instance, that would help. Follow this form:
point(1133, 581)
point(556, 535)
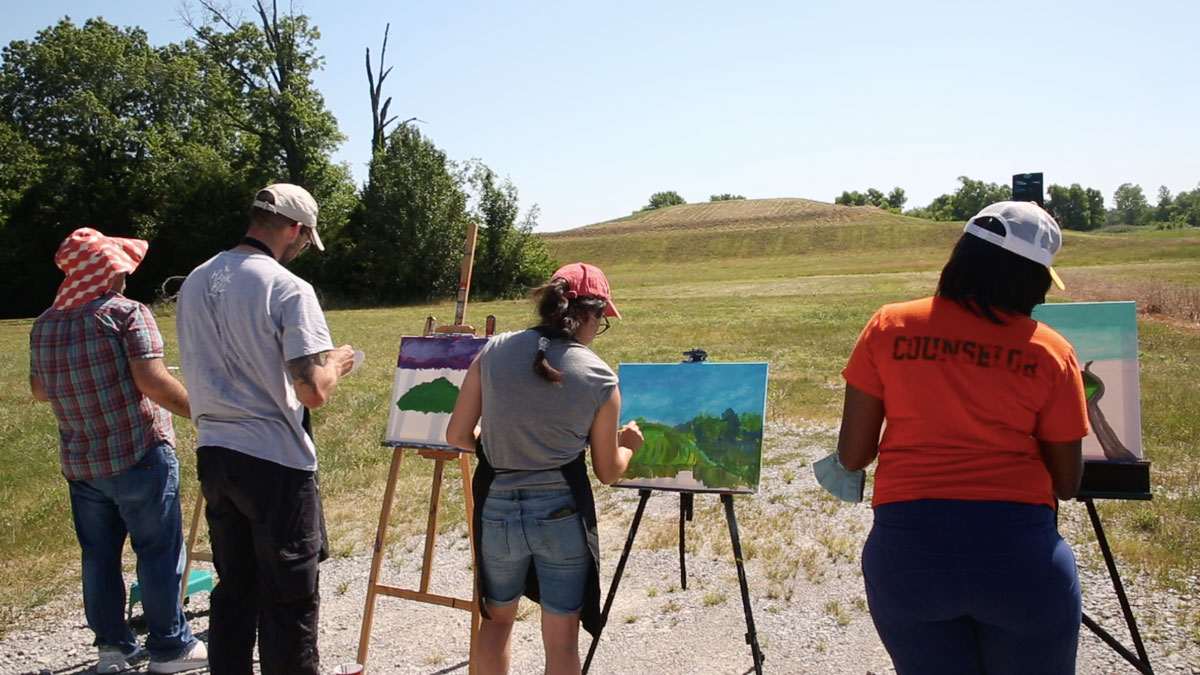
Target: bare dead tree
point(379, 118)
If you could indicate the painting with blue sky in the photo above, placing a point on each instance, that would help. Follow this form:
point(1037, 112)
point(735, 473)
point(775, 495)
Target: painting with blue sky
point(1104, 335)
point(703, 424)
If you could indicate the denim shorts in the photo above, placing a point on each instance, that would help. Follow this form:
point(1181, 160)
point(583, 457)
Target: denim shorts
point(538, 527)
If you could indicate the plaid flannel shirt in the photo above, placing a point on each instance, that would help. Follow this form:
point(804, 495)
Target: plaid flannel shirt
point(82, 357)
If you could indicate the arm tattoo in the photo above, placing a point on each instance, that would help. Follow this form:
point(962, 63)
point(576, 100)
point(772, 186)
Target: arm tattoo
point(303, 367)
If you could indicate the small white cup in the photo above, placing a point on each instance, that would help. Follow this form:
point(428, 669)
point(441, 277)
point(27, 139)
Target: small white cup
point(348, 669)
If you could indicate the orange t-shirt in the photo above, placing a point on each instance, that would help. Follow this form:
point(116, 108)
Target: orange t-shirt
point(964, 400)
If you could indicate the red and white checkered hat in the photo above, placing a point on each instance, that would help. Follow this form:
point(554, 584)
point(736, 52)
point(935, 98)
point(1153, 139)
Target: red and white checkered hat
point(91, 261)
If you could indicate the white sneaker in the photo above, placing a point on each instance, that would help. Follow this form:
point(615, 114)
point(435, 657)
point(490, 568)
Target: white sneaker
point(196, 657)
point(113, 660)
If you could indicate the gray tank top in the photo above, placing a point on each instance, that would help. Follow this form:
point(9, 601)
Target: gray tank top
point(531, 426)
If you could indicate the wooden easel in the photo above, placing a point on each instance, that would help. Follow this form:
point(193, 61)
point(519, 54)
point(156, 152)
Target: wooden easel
point(192, 554)
point(439, 456)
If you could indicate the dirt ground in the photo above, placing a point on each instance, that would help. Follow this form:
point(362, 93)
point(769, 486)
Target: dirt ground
point(803, 570)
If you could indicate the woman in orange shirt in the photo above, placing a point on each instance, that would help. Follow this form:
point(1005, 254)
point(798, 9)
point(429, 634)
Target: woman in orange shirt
point(965, 571)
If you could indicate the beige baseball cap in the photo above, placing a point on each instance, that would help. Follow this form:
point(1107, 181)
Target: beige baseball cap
point(293, 201)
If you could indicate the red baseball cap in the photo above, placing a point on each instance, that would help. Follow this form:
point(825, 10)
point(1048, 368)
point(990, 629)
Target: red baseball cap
point(584, 279)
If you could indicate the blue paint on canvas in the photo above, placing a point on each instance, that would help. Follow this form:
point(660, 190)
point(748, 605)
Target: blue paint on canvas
point(671, 393)
point(1099, 331)
point(702, 422)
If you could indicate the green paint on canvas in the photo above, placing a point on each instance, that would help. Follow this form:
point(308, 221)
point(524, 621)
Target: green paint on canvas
point(437, 396)
point(721, 452)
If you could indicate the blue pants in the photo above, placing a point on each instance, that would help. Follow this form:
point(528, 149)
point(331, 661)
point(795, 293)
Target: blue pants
point(535, 527)
point(961, 587)
point(142, 502)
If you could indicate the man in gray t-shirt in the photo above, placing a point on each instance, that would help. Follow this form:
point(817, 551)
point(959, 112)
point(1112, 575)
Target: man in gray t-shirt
point(257, 355)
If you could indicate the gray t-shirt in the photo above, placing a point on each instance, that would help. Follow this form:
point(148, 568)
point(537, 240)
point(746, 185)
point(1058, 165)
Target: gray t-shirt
point(531, 425)
point(240, 318)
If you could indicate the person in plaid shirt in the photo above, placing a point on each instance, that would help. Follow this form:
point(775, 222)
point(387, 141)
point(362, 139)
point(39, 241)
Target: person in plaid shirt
point(97, 358)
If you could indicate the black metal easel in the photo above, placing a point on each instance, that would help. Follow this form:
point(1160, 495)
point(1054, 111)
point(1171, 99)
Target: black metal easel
point(686, 500)
point(1107, 480)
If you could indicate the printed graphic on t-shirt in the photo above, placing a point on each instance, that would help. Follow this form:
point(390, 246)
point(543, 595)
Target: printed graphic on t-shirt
point(967, 352)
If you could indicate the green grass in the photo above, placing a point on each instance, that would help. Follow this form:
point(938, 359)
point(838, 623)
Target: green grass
point(794, 293)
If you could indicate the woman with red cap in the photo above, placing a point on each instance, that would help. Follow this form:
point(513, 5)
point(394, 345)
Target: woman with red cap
point(540, 398)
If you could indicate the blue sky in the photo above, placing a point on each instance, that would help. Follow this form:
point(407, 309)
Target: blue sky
point(674, 393)
point(591, 107)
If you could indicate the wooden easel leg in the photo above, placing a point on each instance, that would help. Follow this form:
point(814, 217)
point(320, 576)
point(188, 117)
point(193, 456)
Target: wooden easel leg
point(464, 466)
point(612, 588)
point(751, 635)
point(193, 531)
point(385, 511)
point(435, 502)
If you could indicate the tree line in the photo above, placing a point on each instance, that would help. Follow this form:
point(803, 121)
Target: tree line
point(101, 128)
point(1074, 207)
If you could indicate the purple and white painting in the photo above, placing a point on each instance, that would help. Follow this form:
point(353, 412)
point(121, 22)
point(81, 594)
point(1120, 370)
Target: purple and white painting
point(429, 372)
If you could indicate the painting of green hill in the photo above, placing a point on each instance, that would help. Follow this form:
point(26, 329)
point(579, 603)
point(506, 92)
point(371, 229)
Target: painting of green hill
point(702, 423)
point(719, 463)
point(436, 396)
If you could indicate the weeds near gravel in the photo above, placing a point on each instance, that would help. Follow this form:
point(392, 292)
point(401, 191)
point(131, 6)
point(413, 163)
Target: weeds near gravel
point(834, 609)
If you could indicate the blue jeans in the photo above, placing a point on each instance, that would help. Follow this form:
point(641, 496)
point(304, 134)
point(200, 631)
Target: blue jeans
point(142, 502)
point(961, 587)
point(538, 527)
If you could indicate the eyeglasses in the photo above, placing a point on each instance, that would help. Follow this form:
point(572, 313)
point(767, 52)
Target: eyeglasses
point(307, 238)
point(604, 325)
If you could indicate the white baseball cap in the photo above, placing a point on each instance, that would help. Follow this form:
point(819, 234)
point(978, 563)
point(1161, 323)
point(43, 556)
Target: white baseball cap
point(293, 201)
point(1030, 232)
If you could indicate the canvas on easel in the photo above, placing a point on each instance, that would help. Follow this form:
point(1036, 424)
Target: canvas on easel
point(1104, 335)
point(703, 429)
point(429, 372)
point(703, 425)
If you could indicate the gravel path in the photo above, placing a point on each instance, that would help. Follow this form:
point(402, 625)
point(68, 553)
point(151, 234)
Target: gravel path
point(802, 552)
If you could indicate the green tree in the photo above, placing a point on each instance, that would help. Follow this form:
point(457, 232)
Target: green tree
point(725, 197)
point(973, 195)
point(268, 66)
point(1187, 207)
point(1129, 205)
point(405, 241)
point(1166, 205)
point(660, 200)
point(893, 201)
point(111, 132)
point(1076, 208)
point(848, 198)
point(509, 257)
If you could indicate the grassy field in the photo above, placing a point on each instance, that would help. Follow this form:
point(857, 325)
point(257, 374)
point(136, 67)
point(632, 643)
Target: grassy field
point(790, 282)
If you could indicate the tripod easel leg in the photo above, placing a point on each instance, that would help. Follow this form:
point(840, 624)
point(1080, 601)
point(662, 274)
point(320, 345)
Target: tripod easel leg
point(385, 511)
point(751, 635)
point(644, 496)
point(1142, 660)
point(685, 514)
point(193, 531)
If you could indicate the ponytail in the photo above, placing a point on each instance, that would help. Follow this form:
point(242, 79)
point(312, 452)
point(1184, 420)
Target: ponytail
point(561, 312)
